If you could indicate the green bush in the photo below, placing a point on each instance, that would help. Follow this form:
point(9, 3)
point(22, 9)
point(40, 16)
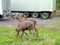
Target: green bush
point(58, 4)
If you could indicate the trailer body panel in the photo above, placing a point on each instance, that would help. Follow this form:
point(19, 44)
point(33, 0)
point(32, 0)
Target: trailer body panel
point(6, 4)
point(33, 5)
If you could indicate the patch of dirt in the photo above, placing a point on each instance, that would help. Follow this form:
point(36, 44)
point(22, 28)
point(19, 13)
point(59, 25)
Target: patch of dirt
point(41, 22)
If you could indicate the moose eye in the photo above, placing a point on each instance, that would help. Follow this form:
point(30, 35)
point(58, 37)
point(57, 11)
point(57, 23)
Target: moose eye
point(16, 18)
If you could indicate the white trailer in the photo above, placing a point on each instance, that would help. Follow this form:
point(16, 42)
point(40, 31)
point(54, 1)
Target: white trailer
point(34, 8)
point(4, 8)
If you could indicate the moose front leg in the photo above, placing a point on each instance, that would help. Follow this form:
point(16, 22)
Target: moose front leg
point(17, 32)
point(25, 33)
point(22, 32)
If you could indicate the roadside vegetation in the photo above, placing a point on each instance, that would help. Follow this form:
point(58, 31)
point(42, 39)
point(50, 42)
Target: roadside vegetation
point(58, 4)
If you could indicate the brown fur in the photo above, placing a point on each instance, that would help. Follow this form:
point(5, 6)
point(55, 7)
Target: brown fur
point(30, 19)
point(24, 25)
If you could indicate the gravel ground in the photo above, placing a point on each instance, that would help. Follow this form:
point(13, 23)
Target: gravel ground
point(48, 22)
point(41, 22)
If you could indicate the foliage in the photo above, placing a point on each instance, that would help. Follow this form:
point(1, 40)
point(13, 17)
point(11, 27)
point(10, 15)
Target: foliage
point(58, 4)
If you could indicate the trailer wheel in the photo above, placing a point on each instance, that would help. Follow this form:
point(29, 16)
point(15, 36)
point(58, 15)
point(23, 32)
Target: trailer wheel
point(35, 15)
point(45, 15)
point(1, 16)
point(26, 14)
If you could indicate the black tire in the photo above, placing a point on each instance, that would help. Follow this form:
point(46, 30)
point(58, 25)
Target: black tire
point(1, 16)
point(35, 15)
point(26, 14)
point(45, 15)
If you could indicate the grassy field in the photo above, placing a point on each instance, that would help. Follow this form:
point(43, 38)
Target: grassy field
point(47, 36)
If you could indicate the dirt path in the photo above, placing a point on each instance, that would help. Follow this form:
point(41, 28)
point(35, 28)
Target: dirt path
point(47, 22)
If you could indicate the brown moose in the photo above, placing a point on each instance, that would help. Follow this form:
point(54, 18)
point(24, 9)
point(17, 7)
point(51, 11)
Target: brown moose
point(24, 24)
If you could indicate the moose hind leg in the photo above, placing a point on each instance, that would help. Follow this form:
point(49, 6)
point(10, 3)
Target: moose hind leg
point(30, 33)
point(36, 31)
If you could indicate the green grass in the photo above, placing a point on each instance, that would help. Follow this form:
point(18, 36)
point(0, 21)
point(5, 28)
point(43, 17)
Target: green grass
point(58, 4)
point(47, 36)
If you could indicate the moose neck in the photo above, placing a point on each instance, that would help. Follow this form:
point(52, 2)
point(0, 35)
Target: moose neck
point(19, 20)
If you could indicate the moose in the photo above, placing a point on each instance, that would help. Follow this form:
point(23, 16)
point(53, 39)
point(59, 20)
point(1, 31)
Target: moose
point(30, 19)
point(25, 24)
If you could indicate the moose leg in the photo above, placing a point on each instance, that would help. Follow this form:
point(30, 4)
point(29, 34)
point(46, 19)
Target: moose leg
point(35, 28)
point(36, 31)
point(30, 33)
point(23, 32)
point(17, 32)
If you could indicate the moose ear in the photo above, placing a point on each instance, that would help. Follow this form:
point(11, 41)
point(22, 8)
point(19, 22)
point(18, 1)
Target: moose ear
point(18, 14)
point(25, 16)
